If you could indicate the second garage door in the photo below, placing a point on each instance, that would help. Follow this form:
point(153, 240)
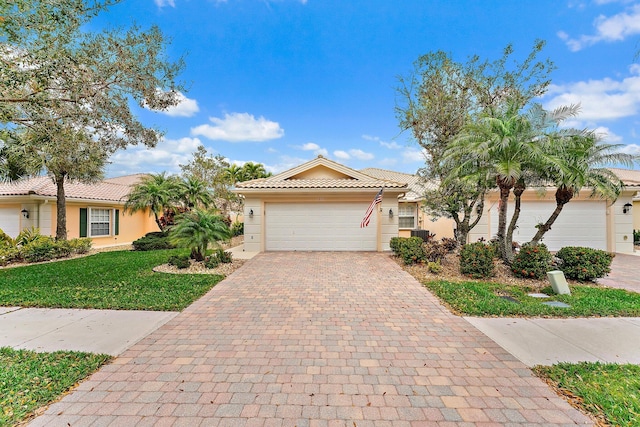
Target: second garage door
point(581, 223)
point(10, 221)
point(318, 227)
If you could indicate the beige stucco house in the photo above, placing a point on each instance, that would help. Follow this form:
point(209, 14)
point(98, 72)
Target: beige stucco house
point(93, 210)
point(411, 216)
point(319, 205)
point(584, 221)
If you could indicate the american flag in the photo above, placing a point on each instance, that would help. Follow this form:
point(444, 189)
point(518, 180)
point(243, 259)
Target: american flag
point(367, 216)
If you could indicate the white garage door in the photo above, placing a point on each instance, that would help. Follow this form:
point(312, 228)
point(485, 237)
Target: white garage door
point(10, 221)
point(318, 227)
point(579, 224)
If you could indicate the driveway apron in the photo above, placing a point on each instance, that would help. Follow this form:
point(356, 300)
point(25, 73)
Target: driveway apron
point(314, 339)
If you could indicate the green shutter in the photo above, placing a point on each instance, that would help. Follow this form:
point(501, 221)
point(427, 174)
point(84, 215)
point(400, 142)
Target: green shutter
point(116, 226)
point(83, 222)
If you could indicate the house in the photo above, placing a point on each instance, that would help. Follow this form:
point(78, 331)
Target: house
point(319, 206)
point(93, 210)
point(584, 221)
point(410, 214)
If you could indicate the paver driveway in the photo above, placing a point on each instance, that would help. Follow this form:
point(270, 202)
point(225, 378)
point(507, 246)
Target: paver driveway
point(314, 339)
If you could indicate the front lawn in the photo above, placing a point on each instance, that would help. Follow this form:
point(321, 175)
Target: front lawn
point(30, 380)
point(610, 392)
point(109, 280)
point(488, 299)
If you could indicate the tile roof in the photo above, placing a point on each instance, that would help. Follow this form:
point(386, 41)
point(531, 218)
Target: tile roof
point(267, 183)
point(114, 189)
point(417, 185)
point(628, 176)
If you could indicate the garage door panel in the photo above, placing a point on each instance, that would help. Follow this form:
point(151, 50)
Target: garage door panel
point(579, 224)
point(10, 221)
point(318, 226)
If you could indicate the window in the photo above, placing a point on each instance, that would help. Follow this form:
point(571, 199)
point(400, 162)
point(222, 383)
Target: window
point(99, 222)
point(406, 216)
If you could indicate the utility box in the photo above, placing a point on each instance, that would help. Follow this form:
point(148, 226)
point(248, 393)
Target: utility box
point(558, 282)
point(424, 234)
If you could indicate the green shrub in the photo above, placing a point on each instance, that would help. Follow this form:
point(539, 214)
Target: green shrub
point(179, 261)
point(222, 256)
point(395, 244)
point(211, 262)
point(9, 254)
point(584, 264)
point(636, 237)
point(532, 261)
point(5, 240)
point(43, 248)
point(153, 241)
point(237, 229)
point(81, 245)
point(27, 236)
point(412, 250)
point(434, 267)
point(476, 260)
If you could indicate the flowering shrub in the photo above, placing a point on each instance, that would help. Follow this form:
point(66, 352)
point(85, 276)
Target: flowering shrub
point(476, 260)
point(584, 264)
point(532, 261)
point(410, 249)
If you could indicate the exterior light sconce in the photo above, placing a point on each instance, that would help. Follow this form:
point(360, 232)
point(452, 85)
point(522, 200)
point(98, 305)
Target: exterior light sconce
point(25, 213)
point(625, 209)
point(390, 213)
point(250, 213)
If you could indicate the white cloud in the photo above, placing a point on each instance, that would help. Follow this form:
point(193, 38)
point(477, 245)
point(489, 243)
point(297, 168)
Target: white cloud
point(353, 153)
point(163, 3)
point(285, 163)
point(186, 107)
point(167, 156)
point(607, 135)
point(633, 149)
point(413, 155)
point(312, 146)
point(237, 127)
point(607, 28)
point(390, 145)
point(342, 155)
point(605, 99)
point(388, 162)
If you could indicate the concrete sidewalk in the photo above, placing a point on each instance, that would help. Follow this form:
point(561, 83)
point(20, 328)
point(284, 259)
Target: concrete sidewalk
point(96, 331)
point(537, 341)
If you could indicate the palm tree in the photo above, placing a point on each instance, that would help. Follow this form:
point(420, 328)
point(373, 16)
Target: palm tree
point(194, 193)
point(502, 145)
point(581, 164)
point(234, 173)
point(156, 192)
point(254, 171)
point(198, 228)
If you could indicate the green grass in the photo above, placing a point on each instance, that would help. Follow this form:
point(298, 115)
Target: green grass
point(608, 391)
point(483, 299)
point(109, 280)
point(30, 380)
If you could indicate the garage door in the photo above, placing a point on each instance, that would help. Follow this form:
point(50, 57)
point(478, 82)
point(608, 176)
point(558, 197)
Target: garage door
point(579, 224)
point(10, 221)
point(318, 227)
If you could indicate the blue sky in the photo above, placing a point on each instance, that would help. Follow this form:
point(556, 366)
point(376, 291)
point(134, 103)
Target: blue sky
point(280, 81)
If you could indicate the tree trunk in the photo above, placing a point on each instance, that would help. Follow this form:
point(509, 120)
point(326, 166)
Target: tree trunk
point(563, 196)
point(517, 192)
point(61, 208)
point(155, 215)
point(505, 189)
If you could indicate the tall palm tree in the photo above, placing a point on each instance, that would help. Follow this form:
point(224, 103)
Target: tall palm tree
point(502, 145)
point(197, 229)
point(254, 171)
point(582, 161)
point(194, 193)
point(156, 192)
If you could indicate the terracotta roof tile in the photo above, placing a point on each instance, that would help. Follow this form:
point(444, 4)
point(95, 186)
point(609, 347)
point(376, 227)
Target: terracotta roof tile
point(416, 185)
point(628, 176)
point(318, 183)
point(44, 186)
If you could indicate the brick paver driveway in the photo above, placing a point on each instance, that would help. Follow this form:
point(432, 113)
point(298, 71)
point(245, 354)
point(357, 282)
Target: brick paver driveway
point(314, 339)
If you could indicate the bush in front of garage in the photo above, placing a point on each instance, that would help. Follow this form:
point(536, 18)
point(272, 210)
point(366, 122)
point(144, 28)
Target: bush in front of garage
point(584, 264)
point(410, 249)
point(153, 241)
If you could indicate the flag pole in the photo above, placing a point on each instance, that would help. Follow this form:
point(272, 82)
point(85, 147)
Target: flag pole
point(379, 226)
